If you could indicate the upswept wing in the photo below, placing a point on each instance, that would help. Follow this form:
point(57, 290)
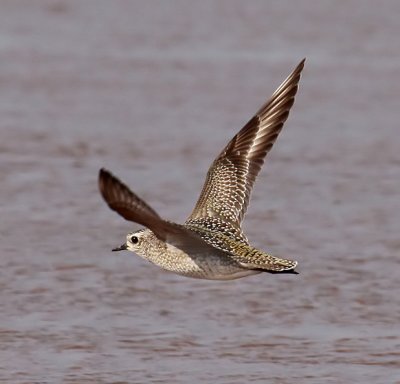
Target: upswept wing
point(231, 177)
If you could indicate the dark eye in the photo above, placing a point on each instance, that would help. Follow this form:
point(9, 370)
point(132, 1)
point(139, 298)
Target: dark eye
point(134, 240)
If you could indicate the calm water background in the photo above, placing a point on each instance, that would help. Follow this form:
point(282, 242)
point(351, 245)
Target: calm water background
point(153, 91)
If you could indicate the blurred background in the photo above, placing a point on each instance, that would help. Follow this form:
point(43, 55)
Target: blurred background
point(153, 91)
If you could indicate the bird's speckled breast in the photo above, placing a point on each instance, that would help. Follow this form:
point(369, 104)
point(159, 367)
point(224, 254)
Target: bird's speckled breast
point(201, 266)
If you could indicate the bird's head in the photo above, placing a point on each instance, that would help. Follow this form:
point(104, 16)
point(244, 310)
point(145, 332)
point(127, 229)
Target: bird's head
point(133, 241)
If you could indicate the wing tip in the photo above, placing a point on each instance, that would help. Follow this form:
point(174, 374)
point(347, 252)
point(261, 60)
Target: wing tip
point(287, 90)
point(296, 72)
point(104, 178)
point(300, 66)
point(103, 173)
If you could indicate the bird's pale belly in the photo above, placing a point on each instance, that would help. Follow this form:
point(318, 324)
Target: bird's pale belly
point(200, 266)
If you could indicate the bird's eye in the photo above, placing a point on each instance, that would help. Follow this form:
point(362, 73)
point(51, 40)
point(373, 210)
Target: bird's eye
point(134, 240)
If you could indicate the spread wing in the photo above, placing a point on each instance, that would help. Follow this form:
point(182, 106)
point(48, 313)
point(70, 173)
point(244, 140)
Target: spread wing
point(132, 208)
point(122, 200)
point(230, 179)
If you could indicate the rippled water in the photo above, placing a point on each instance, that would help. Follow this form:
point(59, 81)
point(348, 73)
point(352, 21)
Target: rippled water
point(153, 91)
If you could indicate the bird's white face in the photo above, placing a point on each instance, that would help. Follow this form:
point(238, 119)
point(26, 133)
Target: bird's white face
point(134, 241)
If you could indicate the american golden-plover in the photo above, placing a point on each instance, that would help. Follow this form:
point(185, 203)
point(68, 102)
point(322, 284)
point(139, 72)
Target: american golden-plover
point(211, 244)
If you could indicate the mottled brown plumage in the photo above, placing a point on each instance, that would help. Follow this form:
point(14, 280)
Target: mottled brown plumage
point(211, 244)
point(231, 177)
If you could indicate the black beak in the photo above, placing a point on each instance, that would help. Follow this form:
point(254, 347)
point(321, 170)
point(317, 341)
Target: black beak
point(123, 247)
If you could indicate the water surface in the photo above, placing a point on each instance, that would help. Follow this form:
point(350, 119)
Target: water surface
point(153, 91)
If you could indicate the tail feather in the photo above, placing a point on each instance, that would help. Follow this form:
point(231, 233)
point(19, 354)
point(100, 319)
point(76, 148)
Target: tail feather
point(268, 263)
point(289, 271)
point(255, 259)
point(244, 254)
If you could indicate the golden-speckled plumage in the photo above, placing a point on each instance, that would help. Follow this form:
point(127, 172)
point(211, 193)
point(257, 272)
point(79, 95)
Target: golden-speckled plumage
point(211, 243)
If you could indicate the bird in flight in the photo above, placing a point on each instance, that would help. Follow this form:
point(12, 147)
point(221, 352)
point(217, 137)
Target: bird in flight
point(211, 244)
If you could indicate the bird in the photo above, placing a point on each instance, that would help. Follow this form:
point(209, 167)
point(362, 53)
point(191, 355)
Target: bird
point(210, 244)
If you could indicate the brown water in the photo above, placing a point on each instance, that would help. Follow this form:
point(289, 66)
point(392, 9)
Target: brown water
point(153, 90)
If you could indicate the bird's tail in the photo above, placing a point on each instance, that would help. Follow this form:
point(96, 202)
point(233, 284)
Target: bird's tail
point(253, 258)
